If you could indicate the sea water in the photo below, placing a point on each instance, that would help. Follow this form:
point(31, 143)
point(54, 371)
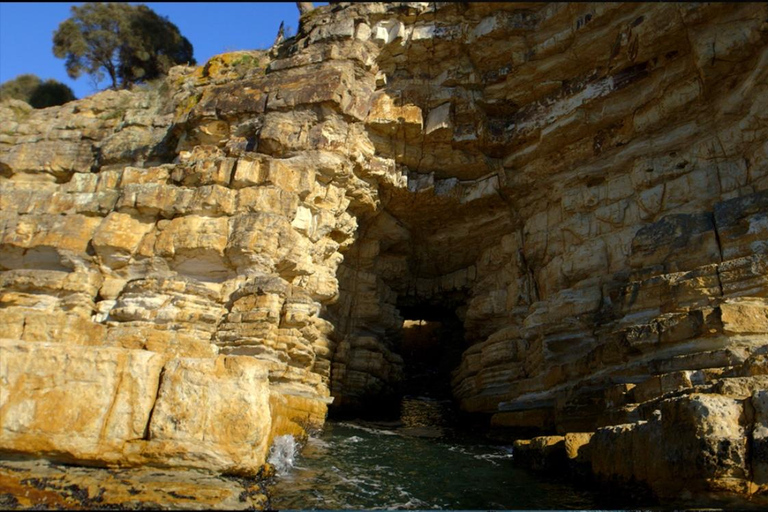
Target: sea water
point(417, 462)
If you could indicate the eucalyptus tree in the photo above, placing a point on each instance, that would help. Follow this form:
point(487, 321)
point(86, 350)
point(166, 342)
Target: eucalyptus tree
point(130, 43)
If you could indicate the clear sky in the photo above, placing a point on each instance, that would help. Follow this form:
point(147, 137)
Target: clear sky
point(26, 33)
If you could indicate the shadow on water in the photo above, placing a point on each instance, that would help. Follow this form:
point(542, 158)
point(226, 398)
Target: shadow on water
point(421, 461)
point(424, 454)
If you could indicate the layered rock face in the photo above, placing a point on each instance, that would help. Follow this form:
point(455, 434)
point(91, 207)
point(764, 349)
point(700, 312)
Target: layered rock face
point(582, 187)
point(160, 293)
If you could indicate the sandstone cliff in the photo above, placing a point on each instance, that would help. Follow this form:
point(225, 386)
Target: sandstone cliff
point(189, 269)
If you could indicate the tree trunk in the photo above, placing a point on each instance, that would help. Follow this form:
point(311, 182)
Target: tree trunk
point(113, 76)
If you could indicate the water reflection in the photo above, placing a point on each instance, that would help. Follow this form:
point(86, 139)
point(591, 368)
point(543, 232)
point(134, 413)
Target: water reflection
point(416, 462)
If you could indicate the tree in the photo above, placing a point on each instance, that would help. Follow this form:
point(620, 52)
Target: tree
point(130, 43)
point(155, 45)
point(37, 93)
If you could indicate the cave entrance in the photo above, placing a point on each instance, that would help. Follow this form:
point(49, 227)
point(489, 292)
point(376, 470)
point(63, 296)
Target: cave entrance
point(431, 346)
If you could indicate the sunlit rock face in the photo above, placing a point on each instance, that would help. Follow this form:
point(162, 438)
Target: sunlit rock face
point(582, 188)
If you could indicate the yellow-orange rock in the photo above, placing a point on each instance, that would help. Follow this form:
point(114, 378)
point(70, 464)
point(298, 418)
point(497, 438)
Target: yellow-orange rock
point(211, 413)
point(576, 193)
point(91, 411)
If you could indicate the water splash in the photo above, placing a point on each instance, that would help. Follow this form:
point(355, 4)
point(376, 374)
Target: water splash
point(392, 471)
point(283, 453)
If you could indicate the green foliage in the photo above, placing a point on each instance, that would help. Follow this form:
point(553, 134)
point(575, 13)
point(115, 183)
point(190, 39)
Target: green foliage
point(130, 43)
point(246, 61)
point(50, 93)
point(20, 88)
point(37, 93)
point(156, 45)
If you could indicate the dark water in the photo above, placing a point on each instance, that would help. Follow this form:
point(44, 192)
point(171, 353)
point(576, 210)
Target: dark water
point(419, 462)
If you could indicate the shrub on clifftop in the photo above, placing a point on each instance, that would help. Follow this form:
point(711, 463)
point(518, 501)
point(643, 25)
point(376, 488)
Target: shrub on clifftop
point(34, 91)
point(130, 43)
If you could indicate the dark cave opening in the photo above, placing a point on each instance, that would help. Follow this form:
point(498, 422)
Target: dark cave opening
point(431, 347)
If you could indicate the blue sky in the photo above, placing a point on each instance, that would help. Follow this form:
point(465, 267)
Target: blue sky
point(26, 33)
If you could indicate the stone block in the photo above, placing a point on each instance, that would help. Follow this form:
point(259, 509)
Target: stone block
point(694, 442)
point(744, 316)
point(250, 172)
point(73, 403)
point(577, 446)
point(212, 413)
point(117, 238)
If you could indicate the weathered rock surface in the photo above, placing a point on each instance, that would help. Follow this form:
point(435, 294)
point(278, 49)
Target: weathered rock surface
point(583, 186)
point(38, 484)
point(108, 405)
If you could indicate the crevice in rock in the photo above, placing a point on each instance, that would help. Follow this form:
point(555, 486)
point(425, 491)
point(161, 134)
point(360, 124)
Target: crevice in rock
point(146, 434)
point(720, 251)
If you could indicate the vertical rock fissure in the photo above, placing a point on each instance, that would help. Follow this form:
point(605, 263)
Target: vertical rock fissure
point(146, 435)
point(720, 251)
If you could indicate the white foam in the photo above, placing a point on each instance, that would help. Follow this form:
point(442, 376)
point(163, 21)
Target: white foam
point(369, 430)
point(412, 503)
point(282, 455)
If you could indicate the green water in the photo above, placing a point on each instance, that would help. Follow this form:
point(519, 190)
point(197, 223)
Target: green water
point(417, 463)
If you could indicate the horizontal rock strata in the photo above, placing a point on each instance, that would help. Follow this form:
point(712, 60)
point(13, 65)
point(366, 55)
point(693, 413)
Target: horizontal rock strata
point(583, 186)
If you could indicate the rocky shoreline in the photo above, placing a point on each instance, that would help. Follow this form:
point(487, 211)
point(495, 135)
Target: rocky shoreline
point(40, 484)
point(578, 192)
